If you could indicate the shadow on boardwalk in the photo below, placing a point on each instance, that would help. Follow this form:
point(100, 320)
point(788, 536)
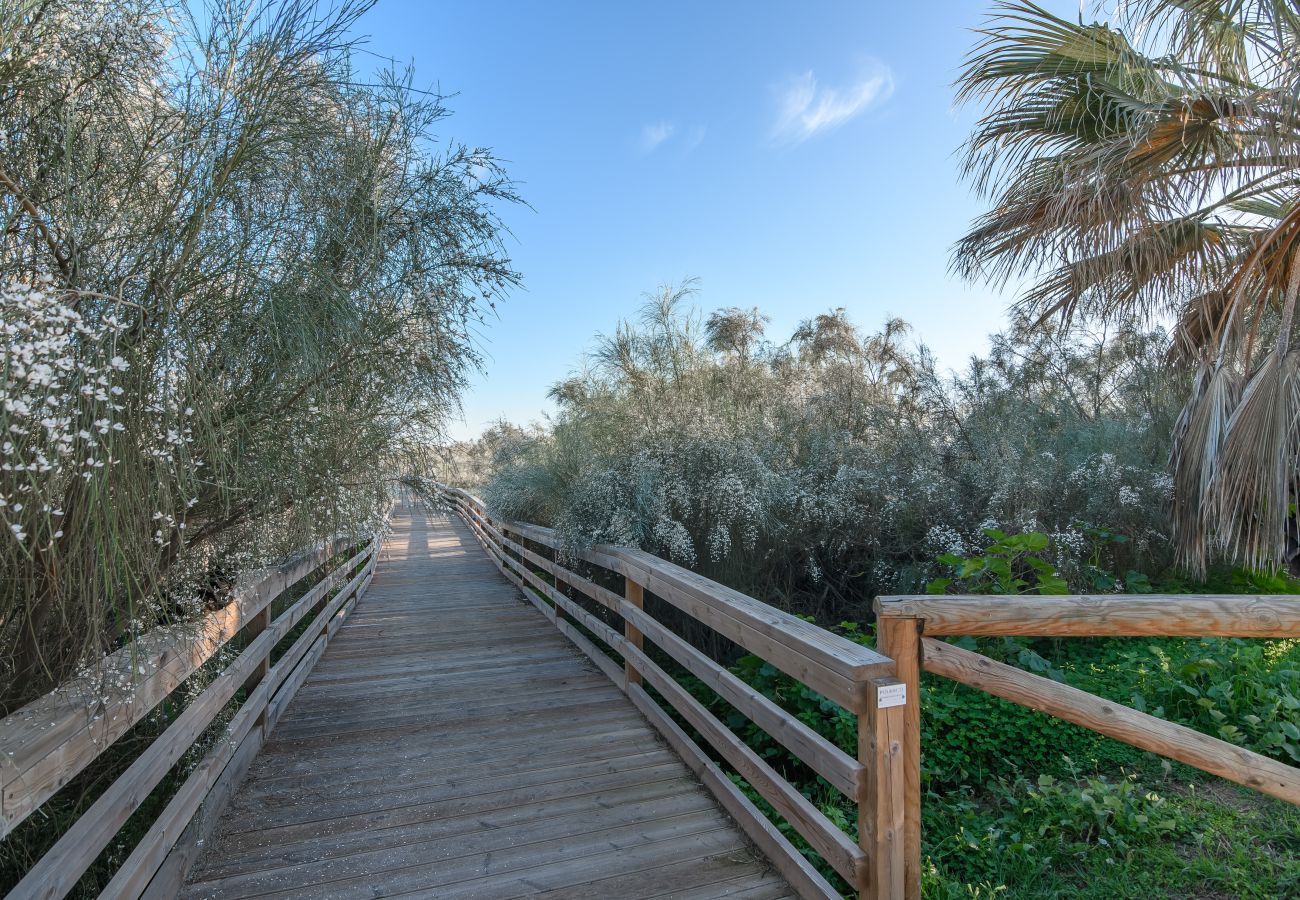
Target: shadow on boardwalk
point(450, 743)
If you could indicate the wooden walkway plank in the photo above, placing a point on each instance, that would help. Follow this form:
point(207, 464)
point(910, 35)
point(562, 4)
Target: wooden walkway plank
point(293, 844)
point(432, 769)
point(451, 743)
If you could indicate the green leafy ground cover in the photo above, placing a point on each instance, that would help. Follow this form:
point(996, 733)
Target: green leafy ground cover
point(1019, 804)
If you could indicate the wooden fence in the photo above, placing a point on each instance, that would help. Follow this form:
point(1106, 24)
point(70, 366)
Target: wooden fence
point(885, 777)
point(48, 742)
point(907, 628)
point(855, 677)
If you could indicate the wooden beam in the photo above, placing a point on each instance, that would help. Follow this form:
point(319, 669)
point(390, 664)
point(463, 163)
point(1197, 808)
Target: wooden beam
point(824, 661)
point(900, 639)
point(821, 755)
point(815, 751)
point(603, 662)
point(822, 835)
point(57, 872)
point(1102, 615)
point(559, 585)
point(881, 808)
point(51, 739)
point(635, 596)
point(1254, 770)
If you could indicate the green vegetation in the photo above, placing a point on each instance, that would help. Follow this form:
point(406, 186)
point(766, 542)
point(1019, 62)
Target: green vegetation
point(240, 277)
point(34, 837)
point(240, 284)
point(838, 465)
point(1040, 808)
point(240, 274)
point(1138, 170)
point(1019, 804)
point(821, 471)
point(1095, 838)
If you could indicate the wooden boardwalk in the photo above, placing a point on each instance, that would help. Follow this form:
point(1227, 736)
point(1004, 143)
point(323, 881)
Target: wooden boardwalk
point(451, 743)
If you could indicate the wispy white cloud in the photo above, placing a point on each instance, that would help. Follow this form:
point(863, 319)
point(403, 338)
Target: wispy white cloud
point(682, 141)
point(693, 138)
point(805, 108)
point(654, 134)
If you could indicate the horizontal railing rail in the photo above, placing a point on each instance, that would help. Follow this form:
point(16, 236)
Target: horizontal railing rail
point(908, 626)
point(849, 674)
point(44, 745)
point(1101, 615)
point(884, 776)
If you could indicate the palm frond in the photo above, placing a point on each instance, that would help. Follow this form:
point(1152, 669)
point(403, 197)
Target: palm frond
point(1255, 468)
point(1199, 435)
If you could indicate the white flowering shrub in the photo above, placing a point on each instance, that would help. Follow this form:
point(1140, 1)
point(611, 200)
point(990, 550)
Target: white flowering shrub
point(70, 445)
point(839, 465)
point(58, 410)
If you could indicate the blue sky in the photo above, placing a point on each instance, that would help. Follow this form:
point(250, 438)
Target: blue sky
point(791, 156)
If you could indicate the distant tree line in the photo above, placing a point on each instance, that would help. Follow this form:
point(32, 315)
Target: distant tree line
point(838, 464)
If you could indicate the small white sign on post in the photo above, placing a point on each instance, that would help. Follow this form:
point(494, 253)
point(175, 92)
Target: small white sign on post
point(891, 695)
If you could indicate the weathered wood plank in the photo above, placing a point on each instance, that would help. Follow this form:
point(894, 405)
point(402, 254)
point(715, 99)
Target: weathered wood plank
point(299, 842)
point(837, 767)
point(821, 834)
point(713, 870)
point(881, 802)
point(782, 639)
point(1101, 615)
point(58, 870)
point(900, 639)
point(828, 760)
point(788, 861)
point(375, 850)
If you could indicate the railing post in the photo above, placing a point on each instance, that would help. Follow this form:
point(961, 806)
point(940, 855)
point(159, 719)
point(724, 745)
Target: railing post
point(900, 639)
point(256, 626)
point(635, 595)
point(881, 809)
point(559, 586)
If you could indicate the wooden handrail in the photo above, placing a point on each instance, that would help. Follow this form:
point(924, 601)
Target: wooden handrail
point(1101, 615)
point(825, 661)
point(903, 620)
point(856, 677)
point(50, 740)
point(885, 776)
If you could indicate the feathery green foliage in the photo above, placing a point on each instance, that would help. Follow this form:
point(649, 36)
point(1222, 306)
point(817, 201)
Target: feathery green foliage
point(240, 278)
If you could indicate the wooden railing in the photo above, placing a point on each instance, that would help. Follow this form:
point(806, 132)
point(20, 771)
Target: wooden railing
point(855, 677)
point(908, 628)
point(48, 742)
point(885, 777)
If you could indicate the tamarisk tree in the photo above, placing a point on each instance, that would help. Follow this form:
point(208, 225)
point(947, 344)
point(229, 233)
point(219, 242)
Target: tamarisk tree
point(239, 278)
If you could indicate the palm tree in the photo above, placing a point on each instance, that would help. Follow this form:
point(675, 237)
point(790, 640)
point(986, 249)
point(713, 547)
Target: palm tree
point(1149, 166)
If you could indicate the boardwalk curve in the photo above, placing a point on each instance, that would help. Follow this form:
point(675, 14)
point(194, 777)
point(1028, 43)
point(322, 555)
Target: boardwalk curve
point(451, 743)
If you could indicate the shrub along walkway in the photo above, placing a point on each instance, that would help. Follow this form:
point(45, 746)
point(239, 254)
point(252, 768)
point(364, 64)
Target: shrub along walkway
point(451, 743)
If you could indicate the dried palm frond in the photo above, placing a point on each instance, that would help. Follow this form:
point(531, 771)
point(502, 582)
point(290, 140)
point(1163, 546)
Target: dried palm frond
point(1199, 436)
point(1146, 166)
point(1249, 494)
